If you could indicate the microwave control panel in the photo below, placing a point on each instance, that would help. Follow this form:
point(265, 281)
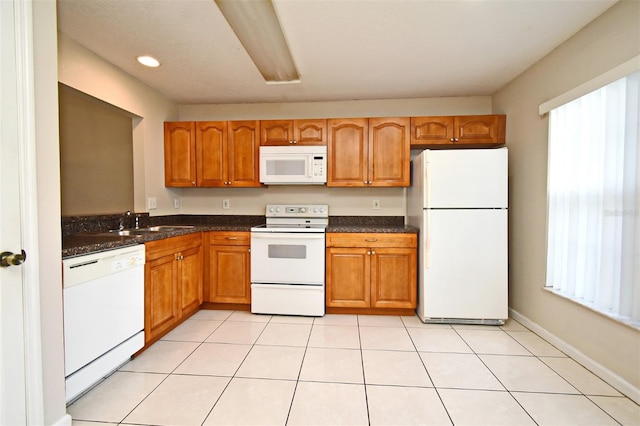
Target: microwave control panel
point(319, 164)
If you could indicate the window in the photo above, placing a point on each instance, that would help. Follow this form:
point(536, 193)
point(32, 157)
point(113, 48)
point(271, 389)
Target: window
point(593, 240)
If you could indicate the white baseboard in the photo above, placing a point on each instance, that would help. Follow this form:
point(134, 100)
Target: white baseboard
point(63, 421)
point(598, 369)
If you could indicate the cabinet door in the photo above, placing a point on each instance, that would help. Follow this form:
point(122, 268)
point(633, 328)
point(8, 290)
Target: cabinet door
point(160, 296)
point(244, 146)
point(211, 149)
point(347, 152)
point(393, 278)
point(389, 151)
point(432, 130)
point(480, 129)
point(310, 132)
point(179, 154)
point(229, 274)
point(348, 277)
point(190, 280)
point(276, 132)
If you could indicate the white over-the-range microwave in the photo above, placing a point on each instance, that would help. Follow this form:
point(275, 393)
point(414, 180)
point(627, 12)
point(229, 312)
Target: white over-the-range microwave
point(293, 165)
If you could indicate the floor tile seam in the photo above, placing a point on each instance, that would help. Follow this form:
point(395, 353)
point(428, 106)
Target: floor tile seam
point(565, 394)
point(602, 408)
point(233, 375)
point(583, 367)
point(146, 396)
point(516, 331)
point(506, 334)
point(522, 356)
point(297, 380)
point(444, 407)
point(364, 377)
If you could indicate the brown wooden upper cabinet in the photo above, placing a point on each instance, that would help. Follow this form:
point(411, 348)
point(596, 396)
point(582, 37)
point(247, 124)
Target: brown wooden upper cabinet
point(180, 154)
point(368, 152)
point(211, 154)
point(293, 132)
point(465, 130)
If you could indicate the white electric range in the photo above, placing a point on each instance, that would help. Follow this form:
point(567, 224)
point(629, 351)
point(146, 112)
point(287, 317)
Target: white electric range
point(287, 260)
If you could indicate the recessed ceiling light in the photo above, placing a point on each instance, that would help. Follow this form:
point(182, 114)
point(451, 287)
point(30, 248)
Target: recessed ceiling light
point(148, 61)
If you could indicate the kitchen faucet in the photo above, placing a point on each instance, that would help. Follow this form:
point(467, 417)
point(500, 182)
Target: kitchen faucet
point(122, 219)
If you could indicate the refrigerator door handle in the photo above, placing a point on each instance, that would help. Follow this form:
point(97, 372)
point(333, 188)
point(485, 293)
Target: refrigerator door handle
point(426, 188)
point(427, 238)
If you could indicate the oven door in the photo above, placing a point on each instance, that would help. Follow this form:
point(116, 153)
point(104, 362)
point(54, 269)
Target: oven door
point(287, 258)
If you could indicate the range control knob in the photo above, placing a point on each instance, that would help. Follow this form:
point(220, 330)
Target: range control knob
point(271, 209)
point(303, 210)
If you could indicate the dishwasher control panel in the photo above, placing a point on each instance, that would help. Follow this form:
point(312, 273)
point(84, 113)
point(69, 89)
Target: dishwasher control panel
point(80, 269)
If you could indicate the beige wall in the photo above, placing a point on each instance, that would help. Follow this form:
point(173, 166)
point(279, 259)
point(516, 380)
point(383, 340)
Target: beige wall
point(48, 189)
point(341, 201)
point(610, 40)
point(82, 70)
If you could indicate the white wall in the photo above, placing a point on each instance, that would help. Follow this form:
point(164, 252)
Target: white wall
point(48, 188)
point(342, 201)
point(84, 71)
point(608, 41)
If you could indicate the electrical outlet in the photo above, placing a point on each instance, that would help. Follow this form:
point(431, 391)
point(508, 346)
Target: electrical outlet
point(152, 203)
point(376, 204)
point(225, 203)
point(176, 203)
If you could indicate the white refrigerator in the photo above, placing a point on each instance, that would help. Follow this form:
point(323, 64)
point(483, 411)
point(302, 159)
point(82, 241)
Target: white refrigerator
point(458, 199)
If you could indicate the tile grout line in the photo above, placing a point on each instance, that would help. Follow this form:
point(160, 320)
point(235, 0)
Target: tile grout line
point(295, 388)
point(234, 373)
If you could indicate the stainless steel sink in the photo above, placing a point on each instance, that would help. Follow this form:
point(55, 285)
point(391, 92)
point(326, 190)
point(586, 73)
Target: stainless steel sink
point(129, 232)
point(141, 231)
point(167, 228)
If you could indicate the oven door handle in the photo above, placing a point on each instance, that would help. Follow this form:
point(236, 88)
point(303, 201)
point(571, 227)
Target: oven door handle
point(289, 236)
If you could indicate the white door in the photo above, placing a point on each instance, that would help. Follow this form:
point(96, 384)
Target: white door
point(20, 385)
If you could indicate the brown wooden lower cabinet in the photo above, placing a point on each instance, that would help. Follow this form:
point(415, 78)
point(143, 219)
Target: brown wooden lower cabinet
point(371, 271)
point(229, 267)
point(173, 283)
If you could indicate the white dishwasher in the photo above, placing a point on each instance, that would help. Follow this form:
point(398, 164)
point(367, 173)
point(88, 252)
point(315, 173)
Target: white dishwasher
point(103, 314)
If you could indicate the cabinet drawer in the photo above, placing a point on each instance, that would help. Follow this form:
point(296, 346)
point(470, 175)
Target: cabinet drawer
point(371, 240)
point(159, 248)
point(230, 238)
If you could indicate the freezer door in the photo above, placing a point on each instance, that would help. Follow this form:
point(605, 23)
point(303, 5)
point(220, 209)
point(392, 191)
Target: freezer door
point(466, 178)
point(464, 265)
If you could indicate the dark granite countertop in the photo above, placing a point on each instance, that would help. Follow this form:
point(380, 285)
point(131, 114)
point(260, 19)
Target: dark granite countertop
point(79, 233)
point(373, 224)
point(380, 229)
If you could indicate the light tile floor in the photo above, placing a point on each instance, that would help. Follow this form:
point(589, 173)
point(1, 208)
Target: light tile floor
point(232, 368)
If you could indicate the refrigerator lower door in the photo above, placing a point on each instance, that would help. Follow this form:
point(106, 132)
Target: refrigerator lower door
point(464, 266)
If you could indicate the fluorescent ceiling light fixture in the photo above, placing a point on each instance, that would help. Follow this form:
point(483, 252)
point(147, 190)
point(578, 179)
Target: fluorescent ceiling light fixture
point(148, 61)
point(256, 24)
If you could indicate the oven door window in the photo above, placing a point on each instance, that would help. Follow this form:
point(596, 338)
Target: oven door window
point(286, 251)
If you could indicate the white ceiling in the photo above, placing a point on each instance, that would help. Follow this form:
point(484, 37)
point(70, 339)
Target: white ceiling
point(344, 50)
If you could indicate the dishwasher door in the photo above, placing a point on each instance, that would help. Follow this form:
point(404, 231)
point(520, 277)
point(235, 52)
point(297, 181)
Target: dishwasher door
point(103, 314)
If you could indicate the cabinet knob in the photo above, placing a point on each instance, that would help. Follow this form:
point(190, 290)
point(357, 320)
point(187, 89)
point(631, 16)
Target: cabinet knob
point(193, 183)
point(369, 252)
point(373, 252)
